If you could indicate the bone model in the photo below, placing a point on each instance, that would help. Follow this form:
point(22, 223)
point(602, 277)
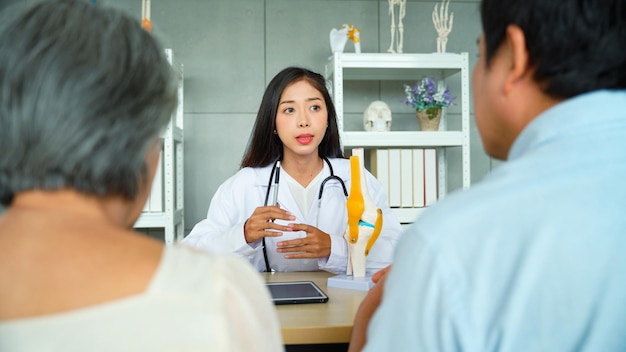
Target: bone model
point(401, 13)
point(354, 34)
point(365, 220)
point(145, 15)
point(377, 117)
point(443, 25)
point(338, 38)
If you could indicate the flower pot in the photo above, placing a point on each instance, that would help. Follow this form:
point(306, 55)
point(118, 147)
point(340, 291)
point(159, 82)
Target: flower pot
point(429, 119)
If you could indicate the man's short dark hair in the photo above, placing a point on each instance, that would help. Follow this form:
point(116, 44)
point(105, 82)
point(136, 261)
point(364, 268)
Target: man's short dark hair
point(576, 46)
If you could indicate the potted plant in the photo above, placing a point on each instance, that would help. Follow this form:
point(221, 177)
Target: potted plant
point(428, 100)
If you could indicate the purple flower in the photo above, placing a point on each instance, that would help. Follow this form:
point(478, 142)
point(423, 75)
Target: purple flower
point(425, 94)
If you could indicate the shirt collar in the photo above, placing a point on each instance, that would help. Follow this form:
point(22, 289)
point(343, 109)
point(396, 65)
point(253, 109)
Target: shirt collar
point(570, 117)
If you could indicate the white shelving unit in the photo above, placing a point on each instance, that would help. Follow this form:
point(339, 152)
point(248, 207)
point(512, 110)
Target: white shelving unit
point(167, 188)
point(405, 67)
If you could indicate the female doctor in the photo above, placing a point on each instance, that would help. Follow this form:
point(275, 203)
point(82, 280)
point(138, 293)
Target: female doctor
point(285, 210)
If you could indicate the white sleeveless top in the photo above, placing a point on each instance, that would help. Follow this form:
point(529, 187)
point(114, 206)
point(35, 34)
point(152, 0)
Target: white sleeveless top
point(195, 302)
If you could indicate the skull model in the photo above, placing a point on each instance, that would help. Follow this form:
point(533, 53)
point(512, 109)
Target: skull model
point(377, 117)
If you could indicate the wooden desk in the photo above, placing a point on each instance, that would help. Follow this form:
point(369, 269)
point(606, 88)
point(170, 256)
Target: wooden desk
point(317, 323)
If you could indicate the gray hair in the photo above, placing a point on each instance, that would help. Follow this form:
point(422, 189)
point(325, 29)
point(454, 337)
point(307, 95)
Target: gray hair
point(84, 92)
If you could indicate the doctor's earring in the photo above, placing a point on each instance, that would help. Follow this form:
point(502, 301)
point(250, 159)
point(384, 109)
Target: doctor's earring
point(275, 132)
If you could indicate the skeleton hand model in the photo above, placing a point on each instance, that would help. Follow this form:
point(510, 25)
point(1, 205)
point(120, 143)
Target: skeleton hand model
point(401, 13)
point(365, 220)
point(442, 25)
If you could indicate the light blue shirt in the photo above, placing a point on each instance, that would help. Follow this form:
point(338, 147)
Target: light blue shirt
point(533, 258)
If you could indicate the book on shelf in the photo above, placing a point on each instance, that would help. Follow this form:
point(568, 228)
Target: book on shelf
point(395, 181)
point(379, 165)
point(406, 178)
point(430, 176)
point(418, 178)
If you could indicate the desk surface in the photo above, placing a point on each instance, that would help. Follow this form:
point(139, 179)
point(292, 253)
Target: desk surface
point(317, 323)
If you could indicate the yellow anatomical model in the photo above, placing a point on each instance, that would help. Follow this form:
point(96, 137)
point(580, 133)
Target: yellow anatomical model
point(365, 220)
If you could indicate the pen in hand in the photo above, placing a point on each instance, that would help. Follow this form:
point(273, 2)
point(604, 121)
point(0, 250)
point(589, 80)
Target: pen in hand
point(276, 177)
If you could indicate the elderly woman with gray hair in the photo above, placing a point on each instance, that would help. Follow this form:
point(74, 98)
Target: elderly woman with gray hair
point(84, 95)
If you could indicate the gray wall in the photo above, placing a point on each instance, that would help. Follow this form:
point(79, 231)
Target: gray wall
point(231, 49)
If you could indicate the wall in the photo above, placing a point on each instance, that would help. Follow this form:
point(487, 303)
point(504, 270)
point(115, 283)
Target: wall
point(231, 49)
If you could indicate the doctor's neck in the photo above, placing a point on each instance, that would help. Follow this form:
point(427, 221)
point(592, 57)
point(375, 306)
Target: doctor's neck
point(302, 169)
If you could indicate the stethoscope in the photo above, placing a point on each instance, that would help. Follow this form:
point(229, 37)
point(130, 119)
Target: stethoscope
point(274, 177)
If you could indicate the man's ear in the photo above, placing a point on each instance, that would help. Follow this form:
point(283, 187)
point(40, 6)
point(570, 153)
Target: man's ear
point(518, 55)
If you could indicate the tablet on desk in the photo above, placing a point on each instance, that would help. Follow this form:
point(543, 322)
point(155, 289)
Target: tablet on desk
point(296, 292)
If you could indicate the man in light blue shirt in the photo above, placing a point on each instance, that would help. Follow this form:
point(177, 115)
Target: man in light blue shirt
point(532, 258)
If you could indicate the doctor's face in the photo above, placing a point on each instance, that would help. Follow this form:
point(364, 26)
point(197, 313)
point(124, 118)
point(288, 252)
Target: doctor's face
point(301, 119)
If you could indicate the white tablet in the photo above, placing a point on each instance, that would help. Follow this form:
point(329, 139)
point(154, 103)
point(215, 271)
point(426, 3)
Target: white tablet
point(296, 292)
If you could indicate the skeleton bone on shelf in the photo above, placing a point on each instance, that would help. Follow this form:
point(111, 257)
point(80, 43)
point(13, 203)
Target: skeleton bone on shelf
point(339, 37)
point(377, 117)
point(443, 25)
point(365, 220)
point(354, 34)
point(145, 15)
point(401, 13)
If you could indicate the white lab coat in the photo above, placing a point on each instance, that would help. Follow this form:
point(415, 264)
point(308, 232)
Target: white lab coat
point(238, 197)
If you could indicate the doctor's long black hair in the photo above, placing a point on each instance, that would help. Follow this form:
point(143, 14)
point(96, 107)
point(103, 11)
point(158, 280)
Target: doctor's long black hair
point(265, 147)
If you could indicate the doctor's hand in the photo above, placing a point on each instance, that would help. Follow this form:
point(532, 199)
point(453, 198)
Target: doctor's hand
point(262, 220)
point(316, 244)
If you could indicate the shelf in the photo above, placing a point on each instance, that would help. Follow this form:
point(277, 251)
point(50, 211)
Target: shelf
point(415, 139)
point(344, 67)
point(177, 134)
point(408, 215)
point(165, 206)
point(382, 66)
point(157, 219)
